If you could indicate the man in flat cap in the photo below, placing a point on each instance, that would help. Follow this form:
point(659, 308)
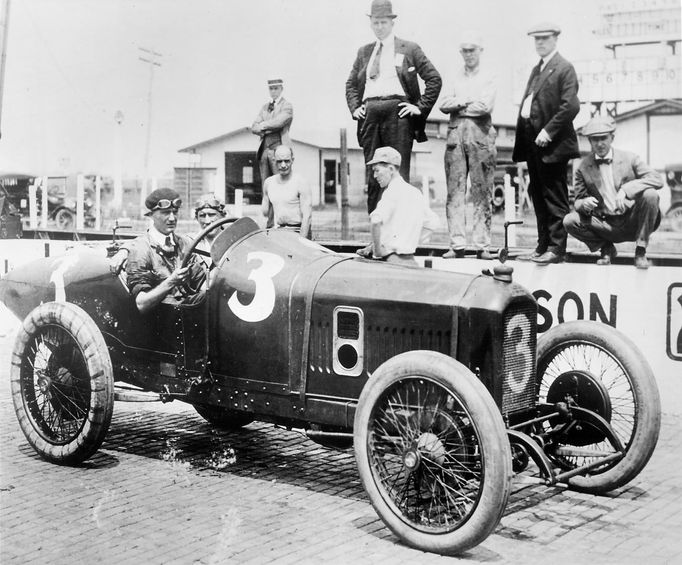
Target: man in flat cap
point(402, 217)
point(470, 150)
point(154, 261)
point(546, 140)
point(272, 126)
point(616, 197)
point(383, 94)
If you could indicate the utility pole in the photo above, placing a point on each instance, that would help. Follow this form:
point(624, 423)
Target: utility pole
point(4, 28)
point(150, 57)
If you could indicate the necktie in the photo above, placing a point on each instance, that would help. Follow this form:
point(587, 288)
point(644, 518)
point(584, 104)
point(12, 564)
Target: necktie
point(374, 71)
point(169, 241)
point(603, 161)
point(271, 106)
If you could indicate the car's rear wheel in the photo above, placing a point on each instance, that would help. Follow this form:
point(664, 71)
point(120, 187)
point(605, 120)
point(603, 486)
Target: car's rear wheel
point(598, 368)
point(62, 383)
point(223, 418)
point(432, 452)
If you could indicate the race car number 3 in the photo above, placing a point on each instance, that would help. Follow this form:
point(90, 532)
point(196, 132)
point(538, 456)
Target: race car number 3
point(263, 303)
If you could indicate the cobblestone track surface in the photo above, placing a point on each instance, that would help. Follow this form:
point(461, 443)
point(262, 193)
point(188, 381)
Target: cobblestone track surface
point(166, 487)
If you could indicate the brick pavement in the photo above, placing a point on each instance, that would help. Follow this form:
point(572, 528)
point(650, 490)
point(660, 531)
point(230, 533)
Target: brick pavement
point(167, 488)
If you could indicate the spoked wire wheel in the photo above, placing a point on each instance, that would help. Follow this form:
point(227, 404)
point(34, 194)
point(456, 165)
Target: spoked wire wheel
point(62, 383)
point(599, 369)
point(432, 452)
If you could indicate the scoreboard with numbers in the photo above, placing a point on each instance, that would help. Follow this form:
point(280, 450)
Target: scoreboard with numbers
point(630, 79)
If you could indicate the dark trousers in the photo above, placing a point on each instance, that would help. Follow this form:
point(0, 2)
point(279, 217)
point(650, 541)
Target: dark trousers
point(636, 224)
point(383, 128)
point(267, 168)
point(549, 192)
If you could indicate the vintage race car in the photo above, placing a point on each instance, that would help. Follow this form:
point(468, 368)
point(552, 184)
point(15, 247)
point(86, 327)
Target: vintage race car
point(436, 379)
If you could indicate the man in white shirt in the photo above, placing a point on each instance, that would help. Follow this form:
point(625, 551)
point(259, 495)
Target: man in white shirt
point(616, 197)
point(384, 96)
point(402, 214)
point(470, 150)
point(289, 195)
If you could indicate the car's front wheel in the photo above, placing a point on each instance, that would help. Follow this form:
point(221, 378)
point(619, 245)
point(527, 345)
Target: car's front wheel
point(62, 383)
point(432, 452)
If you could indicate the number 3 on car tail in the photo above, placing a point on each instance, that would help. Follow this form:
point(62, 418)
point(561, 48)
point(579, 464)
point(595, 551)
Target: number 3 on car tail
point(263, 302)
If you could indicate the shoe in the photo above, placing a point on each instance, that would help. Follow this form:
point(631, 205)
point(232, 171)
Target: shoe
point(608, 253)
point(365, 252)
point(530, 256)
point(548, 257)
point(454, 254)
point(484, 254)
point(641, 262)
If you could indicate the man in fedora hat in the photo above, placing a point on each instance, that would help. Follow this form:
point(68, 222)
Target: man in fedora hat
point(616, 197)
point(470, 149)
point(546, 140)
point(383, 94)
point(153, 267)
point(272, 126)
point(402, 214)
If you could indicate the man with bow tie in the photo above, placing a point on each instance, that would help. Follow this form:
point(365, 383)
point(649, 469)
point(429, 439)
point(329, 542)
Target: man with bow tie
point(153, 269)
point(383, 94)
point(546, 140)
point(616, 197)
point(272, 126)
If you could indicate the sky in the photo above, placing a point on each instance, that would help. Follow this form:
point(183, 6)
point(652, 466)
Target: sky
point(73, 65)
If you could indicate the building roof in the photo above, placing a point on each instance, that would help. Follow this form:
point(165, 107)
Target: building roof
point(327, 139)
point(661, 107)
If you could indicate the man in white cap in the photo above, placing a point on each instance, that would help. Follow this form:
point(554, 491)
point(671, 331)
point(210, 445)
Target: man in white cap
point(616, 197)
point(470, 150)
point(546, 140)
point(402, 214)
point(272, 126)
point(384, 96)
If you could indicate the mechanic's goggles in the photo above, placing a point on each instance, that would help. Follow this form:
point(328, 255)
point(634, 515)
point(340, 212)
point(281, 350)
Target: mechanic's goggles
point(164, 204)
point(209, 203)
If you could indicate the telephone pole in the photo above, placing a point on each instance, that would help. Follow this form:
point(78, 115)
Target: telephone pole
point(150, 57)
point(4, 24)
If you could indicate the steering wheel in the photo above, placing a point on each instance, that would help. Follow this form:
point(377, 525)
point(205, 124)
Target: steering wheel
point(202, 235)
point(185, 287)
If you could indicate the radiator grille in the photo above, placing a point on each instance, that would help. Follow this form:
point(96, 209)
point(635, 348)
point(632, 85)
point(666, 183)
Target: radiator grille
point(518, 362)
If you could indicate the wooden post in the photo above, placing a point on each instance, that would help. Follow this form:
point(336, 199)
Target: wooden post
point(238, 202)
point(344, 186)
point(33, 204)
point(45, 212)
point(510, 209)
point(98, 202)
point(80, 195)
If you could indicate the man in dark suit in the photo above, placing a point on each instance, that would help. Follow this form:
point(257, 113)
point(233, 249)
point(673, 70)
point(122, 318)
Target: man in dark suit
point(546, 140)
point(382, 92)
point(616, 197)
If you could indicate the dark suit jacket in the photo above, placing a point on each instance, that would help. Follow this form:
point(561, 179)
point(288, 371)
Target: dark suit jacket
point(630, 174)
point(414, 64)
point(555, 104)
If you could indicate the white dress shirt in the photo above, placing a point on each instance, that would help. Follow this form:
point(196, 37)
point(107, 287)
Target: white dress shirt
point(387, 83)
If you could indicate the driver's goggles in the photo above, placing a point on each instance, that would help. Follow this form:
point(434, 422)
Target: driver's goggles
point(209, 203)
point(164, 204)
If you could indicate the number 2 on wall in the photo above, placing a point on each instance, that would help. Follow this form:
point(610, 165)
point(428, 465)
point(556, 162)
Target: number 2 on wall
point(263, 302)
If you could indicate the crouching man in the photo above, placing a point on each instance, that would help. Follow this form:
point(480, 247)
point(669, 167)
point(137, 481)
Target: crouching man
point(154, 260)
point(616, 197)
point(402, 214)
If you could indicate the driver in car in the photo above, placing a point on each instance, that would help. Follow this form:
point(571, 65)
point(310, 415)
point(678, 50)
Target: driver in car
point(154, 260)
